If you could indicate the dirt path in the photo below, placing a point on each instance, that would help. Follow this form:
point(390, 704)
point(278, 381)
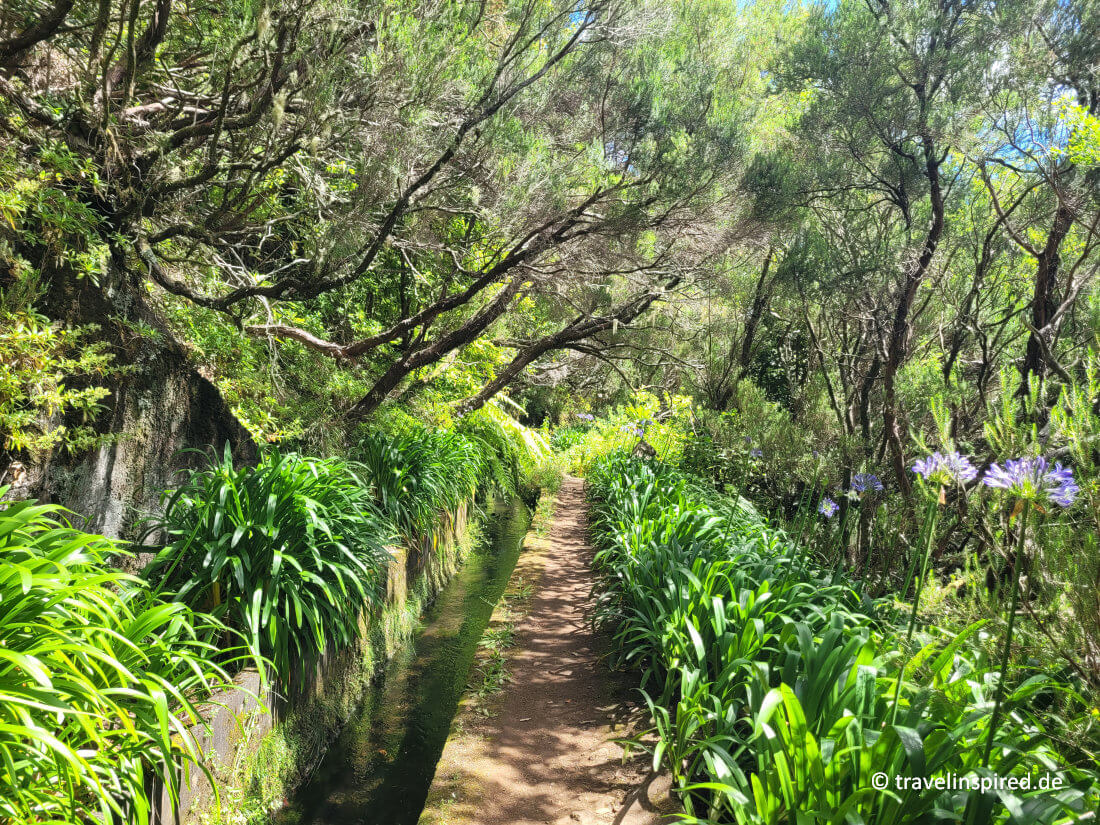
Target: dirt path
point(543, 754)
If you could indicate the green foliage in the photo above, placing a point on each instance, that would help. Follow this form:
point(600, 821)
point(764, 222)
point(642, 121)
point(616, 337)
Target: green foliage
point(416, 475)
point(567, 435)
point(290, 552)
point(417, 472)
point(758, 446)
point(664, 427)
point(503, 463)
point(292, 397)
point(547, 475)
point(99, 679)
point(1072, 555)
point(39, 359)
point(39, 206)
point(776, 690)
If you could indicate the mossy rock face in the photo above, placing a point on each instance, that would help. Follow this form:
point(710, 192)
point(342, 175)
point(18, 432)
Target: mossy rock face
point(159, 412)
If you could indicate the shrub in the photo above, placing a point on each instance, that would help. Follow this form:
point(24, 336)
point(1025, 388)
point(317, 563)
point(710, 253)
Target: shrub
point(289, 552)
point(568, 436)
point(547, 475)
point(663, 426)
point(419, 472)
point(502, 463)
point(38, 359)
point(98, 678)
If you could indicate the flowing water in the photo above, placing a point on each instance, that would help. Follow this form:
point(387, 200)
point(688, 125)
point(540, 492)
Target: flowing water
point(379, 769)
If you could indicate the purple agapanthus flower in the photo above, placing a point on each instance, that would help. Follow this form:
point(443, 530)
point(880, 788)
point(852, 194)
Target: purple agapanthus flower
point(866, 483)
point(1033, 479)
point(586, 416)
point(953, 468)
point(748, 439)
point(828, 507)
point(756, 452)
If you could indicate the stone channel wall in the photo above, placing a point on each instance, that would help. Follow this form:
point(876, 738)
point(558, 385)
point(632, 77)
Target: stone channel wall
point(263, 741)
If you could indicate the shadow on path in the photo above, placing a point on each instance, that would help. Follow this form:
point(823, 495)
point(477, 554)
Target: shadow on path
point(546, 755)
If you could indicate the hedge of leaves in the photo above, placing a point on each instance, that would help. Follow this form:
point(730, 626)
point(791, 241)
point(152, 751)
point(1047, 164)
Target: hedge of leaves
point(777, 692)
point(292, 551)
point(289, 552)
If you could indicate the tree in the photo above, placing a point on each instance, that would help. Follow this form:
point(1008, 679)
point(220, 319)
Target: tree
point(459, 155)
point(892, 87)
point(1038, 170)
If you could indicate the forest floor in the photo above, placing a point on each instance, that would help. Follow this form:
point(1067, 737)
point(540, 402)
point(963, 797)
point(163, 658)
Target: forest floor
point(541, 749)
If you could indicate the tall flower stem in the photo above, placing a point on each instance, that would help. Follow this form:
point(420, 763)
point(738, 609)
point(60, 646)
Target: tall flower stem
point(744, 479)
point(930, 521)
point(796, 551)
point(805, 506)
point(929, 532)
point(840, 543)
point(1006, 652)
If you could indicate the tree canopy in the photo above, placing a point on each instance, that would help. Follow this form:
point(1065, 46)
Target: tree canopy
point(339, 205)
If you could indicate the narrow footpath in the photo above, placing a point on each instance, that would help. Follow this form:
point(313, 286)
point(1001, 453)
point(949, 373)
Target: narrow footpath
point(544, 751)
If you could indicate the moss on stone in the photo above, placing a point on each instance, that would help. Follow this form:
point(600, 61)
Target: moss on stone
point(263, 773)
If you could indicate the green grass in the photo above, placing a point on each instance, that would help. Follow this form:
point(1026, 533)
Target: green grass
point(491, 669)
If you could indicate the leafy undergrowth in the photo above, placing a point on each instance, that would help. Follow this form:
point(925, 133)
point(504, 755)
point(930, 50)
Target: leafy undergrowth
point(779, 693)
point(100, 679)
point(102, 674)
point(289, 552)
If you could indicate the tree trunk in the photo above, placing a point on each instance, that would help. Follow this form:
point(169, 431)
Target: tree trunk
point(897, 348)
point(1043, 304)
point(756, 312)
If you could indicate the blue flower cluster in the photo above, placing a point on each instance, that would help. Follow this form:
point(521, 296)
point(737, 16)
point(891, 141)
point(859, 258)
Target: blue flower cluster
point(862, 484)
point(1030, 479)
point(1027, 478)
point(637, 429)
point(953, 468)
point(866, 483)
point(1033, 479)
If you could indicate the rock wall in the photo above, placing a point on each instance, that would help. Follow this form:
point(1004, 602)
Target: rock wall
point(160, 410)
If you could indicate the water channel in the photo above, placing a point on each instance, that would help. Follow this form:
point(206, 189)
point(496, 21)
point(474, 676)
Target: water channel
point(380, 768)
